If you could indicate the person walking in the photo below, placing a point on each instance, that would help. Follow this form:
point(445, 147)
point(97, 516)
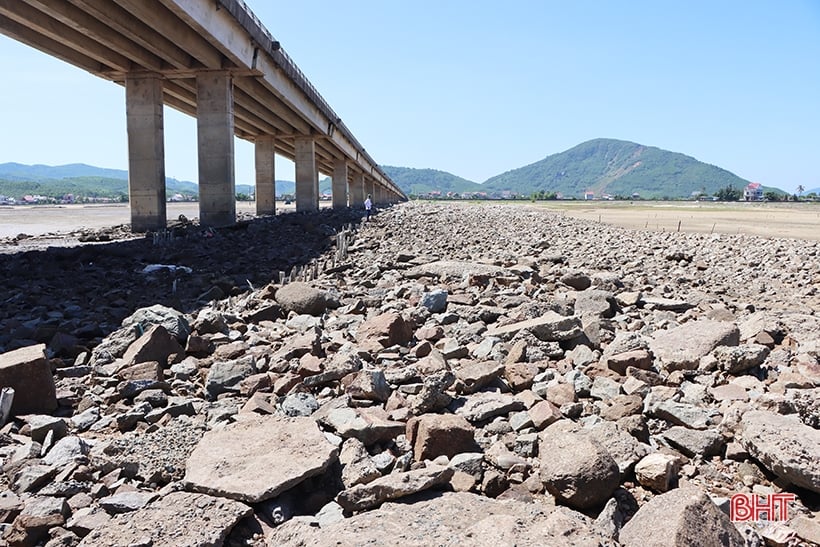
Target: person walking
point(368, 205)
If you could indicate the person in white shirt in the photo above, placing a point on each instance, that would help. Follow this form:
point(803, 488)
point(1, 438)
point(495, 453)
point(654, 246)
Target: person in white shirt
point(368, 205)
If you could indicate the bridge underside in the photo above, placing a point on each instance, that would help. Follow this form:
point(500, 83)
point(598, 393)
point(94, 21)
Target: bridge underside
point(214, 60)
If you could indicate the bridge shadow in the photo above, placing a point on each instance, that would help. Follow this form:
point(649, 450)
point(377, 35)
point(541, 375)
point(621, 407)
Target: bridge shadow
point(80, 294)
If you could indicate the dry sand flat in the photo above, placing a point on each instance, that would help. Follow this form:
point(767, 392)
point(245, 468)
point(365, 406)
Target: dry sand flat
point(798, 220)
point(39, 220)
point(795, 220)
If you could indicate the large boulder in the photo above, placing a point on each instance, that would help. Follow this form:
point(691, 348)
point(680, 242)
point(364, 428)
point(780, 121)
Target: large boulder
point(302, 298)
point(575, 468)
point(681, 348)
point(784, 445)
point(28, 372)
point(680, 518)
point(135, 325)
point(180, 519)
point(448, 519)
point(258, 458)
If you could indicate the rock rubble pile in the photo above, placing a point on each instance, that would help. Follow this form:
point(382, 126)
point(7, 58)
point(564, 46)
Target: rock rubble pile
point(463, 375)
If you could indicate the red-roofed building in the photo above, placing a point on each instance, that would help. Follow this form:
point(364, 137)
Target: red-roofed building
point(753, 192)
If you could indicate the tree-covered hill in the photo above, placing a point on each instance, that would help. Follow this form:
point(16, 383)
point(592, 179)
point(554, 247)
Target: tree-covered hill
point(423, 181)
point(614, 167)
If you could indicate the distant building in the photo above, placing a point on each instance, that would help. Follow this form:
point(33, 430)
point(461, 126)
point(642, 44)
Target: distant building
point(589, 195)
point(753, 192)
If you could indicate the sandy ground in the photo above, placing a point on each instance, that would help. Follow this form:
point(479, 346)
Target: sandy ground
point(793, 220)
point(39, 220)
point(796, 220)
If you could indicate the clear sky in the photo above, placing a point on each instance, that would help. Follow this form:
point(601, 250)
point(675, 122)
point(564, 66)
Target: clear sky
point(479, 87)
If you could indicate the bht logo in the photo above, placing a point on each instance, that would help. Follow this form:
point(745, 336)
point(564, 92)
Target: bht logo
point(746, 507)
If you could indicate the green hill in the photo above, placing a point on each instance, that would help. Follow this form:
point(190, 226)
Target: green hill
point(609, 166)
point(423, 181)
point(17, 180)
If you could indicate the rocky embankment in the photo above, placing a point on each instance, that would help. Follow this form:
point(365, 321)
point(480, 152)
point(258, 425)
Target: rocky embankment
point(453, 375)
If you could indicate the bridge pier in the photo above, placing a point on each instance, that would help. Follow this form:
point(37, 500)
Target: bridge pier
point(357, 190)
point(264, 157)
point(215, 132)
point(146, 151)
point(370, 190)
point(307, 176)
point(339, 184)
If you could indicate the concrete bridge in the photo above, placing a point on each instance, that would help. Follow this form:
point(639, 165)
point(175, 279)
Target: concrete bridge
point(214, 60)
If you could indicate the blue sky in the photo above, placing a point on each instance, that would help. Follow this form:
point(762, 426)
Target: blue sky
point(480, 87)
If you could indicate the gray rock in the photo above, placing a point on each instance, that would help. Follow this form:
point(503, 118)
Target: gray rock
point(66, 451)
point(691, 416)
point(473, 376)
point(453, 269)
point(357, 467)
point(210, 321)
point(227, 462)
point(692, 443)
point(576, 469)
point(370, 385)
point(41, 425)
point(302, 298)
point(595, 303)
point(450, 519)
point(483, 406)
point(435, 301)
point(225, 376)
point(784, 445)
point(125, 502)
point(299, 404)
point(368, 425)
point(735, 360)
point(168, 522)
point(392, 487)
point(550, 327)
point(682, 347)
point(680, 518)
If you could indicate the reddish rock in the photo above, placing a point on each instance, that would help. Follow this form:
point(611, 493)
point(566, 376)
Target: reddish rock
point(28, 372)
point(156, 344)
point(434, 435)
point(387, 329)
point(544, 413)
point(520, 375)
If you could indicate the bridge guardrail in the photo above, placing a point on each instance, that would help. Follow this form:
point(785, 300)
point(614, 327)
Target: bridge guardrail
point(243, 14)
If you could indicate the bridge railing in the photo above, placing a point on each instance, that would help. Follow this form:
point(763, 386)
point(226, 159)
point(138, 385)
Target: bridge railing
point(243, 14)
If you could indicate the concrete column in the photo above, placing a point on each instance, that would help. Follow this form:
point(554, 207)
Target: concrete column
point(370, 188)
point(357, 190)
point(307, 175)
point(146, 151)
point(339, 184)
point(265, 175)
point(214, 117)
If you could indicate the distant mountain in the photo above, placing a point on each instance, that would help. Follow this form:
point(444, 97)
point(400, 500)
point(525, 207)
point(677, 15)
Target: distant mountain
point(422, 181)
point(74, 178)
point(609, 166)
point(17, 179)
